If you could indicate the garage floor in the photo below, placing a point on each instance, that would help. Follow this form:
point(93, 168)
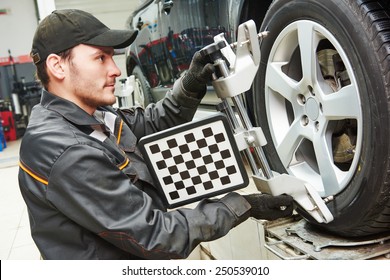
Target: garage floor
point(15, 239)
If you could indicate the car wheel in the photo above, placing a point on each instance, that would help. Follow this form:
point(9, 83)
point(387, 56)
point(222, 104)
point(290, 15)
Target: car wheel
point(322, 98)
point(144, 96)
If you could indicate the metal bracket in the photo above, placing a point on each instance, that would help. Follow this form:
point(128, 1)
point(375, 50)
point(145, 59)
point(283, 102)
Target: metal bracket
point(297, 239)
point(253, 137)
point(244, 63)
point(303, 193)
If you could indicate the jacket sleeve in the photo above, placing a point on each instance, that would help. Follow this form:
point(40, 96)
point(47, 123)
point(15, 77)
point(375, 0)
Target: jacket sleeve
point(175, 108)
point(90, 190)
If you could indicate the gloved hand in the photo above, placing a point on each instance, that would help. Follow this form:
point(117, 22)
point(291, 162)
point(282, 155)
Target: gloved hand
point(268, 207)
point(198, 75)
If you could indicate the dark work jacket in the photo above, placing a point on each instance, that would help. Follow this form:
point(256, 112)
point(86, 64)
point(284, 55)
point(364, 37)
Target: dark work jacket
point(90, 195)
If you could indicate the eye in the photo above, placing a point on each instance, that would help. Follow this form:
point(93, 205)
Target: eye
point(101, 58)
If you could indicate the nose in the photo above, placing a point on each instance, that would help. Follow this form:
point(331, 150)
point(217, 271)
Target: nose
point(114, 70)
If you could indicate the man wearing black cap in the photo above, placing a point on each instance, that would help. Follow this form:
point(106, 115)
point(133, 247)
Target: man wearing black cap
point(88, 191)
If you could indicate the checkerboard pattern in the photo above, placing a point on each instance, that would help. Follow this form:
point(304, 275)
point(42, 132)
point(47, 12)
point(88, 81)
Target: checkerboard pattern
point(195, 161)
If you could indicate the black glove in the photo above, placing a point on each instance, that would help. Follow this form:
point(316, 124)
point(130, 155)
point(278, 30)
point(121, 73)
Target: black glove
point(198, 75)
point(268, 207)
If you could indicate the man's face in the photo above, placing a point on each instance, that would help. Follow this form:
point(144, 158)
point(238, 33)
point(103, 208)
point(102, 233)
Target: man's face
point(92, 74)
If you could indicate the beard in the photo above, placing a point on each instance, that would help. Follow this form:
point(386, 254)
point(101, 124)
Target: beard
point(88, 90)
point(91, 100)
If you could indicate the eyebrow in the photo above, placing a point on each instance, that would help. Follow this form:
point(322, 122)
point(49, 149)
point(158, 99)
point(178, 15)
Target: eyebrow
point(105, 51)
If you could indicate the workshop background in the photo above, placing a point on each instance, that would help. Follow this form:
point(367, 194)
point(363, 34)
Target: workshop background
point(18, 21)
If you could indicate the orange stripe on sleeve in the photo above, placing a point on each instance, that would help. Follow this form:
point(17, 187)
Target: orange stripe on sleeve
point(29, 172)
point(125, 164)
point(119, 132)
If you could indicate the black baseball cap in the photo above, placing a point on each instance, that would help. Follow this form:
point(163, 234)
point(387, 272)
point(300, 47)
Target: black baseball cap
point(65, 29)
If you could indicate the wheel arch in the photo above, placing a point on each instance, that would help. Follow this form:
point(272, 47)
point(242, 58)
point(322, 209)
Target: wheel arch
point(131, 63)
point(253, 9)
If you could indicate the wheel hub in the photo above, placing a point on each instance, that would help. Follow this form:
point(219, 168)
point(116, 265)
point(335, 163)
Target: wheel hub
point(312, 108)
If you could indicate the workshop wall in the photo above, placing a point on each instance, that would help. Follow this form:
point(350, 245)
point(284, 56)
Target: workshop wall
point(18, 22)
point(111, 13)
point(19, 19)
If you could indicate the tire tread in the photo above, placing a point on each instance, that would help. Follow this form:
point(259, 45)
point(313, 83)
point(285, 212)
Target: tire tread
point(376, 17)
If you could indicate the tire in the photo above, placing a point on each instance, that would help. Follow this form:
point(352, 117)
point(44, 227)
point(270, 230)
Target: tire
point(329, 125)
point(145, 95)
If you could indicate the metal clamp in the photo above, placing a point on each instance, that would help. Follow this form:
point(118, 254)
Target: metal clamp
point(303, 193)
point(253, 137)
point(236, 72)
point(243, 64)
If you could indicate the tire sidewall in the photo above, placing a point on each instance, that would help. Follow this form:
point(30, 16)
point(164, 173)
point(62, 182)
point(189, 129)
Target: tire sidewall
point(339, 18)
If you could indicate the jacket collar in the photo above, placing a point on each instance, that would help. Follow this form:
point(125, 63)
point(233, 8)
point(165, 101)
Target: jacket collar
point(68, 110)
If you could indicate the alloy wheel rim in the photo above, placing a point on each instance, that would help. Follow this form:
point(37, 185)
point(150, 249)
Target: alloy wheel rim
point(303, 109)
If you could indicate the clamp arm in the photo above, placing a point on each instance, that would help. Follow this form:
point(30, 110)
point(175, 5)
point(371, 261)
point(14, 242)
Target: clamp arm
point(235, 74)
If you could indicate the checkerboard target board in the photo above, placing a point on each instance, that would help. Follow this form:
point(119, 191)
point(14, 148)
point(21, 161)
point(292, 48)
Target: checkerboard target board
point(195, 160)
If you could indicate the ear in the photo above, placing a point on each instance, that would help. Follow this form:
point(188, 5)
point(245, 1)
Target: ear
point(55, 67)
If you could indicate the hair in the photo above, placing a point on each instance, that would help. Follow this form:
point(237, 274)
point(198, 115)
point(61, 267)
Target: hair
point(41, 73)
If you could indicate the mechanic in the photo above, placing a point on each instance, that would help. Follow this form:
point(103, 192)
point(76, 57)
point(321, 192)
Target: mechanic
point(88, 191)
